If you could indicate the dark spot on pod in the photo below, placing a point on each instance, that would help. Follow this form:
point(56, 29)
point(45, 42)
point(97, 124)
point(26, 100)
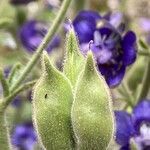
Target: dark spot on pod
point(45, 95)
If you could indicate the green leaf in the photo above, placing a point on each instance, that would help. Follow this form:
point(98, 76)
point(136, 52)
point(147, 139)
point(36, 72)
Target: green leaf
point(92, 116)
point(52, 100)
point(74, 60)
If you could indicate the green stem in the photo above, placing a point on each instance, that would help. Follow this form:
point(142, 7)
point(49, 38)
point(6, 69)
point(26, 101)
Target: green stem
point(4, 84)
point(144, 53)
point(4, 142)
point(146, 83)
point(24, 87)
point(44, 43)
point(4, 139)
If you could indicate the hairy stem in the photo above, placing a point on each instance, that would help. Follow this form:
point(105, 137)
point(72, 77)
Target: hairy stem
point(4, 139)
point(44, 43)
point(17, 91)
point(4, 142)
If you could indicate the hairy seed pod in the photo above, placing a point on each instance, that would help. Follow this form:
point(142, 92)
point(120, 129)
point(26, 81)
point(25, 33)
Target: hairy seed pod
point(52, 100)
point(74, 59)
point(92, 117)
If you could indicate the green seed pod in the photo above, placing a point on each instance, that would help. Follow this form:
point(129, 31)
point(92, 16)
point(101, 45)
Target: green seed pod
point(52, 100)
point(92, 117)
point(74, 60)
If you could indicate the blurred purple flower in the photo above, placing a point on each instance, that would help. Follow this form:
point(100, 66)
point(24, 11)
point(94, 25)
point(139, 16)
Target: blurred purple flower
point(51, 4)
point(144, 24)
point(136, 126)
point(24, 136)
point(19, 2)
point(32, 33)
point(113, 48)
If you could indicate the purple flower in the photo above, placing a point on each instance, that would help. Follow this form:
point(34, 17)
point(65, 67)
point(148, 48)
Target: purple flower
point(144, 24)
point(135, 125)
point(32, 34)
point(113, 48)
point(24, 136)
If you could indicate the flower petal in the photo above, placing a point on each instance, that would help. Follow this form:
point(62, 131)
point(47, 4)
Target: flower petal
point(141, 113)
point(85, 25)
point(124, 128)
point(114, 80)
point(129, 48)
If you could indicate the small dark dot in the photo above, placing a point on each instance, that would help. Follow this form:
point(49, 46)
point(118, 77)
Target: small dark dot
point(45, 95)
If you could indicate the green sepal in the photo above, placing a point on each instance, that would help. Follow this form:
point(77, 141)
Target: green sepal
point(74, 60)
point(52, 100)
point(92, 117)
